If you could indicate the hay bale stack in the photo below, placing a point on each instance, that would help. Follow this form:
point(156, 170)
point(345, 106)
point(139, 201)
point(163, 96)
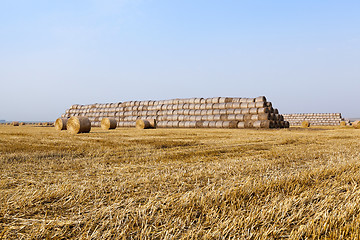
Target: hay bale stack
point(315, 119)
point(192, 112)
point(108, 123)
point(60, 124)
point(77, 125)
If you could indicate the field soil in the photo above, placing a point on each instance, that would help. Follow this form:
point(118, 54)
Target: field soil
point(180, 183)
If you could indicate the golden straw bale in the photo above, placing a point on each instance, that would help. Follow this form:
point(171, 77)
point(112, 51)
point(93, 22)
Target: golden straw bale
point(78, 125)
point(233, 124)
point(145, 123)
point(108, 123)
point(199, 124)
point(260, 99)
point(60, 124)
point(22, 124)
point(343, 124)
point(356, 124)
point(305, 124)
point(248, 124)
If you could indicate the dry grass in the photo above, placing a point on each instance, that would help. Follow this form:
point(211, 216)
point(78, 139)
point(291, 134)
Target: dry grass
point(180, 184)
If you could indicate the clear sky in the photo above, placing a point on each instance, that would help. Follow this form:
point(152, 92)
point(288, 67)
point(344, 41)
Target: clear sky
point(303, 55)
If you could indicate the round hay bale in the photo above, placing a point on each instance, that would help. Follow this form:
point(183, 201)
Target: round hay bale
point(204, 112)
point(223, 111)
point(244, 105)
point(22, 124)
point(263, 110)
point(209, 106)
point(78, 125)
point(237, 111)
point(236, 105)
point(108, 123)
point(199, 124)
point(356, 124)
point(260, 104)
point(192, 118)
point(198, 118)
point(240, 117)
point(226, 124)
point(192, 124)
point(247, 117)
point(251, 105)
point(257, 124)
point(305, 124)
point(241, 125)
point(204, 118)
point(60, 124)
point(264, 116)
point(217, 117)
point(248, 124)
point(231, 117)
point(222, 105)
point(145, 123)
point(230, 111)
point(223, 117)
point(197, 112)
point(216, 106)
point(261, 124)
point(228, 105)
point(15, 124)
point(215, 100)
point(205, 124)
point(212, 124)
point(253, 110)
point(233, 124)
point(219, 124)
point(260, 99)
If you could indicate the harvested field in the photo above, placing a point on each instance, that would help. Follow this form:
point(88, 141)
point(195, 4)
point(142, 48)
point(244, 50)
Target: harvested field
point(127, 183)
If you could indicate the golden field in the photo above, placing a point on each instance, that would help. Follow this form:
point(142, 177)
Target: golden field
point(180, 184)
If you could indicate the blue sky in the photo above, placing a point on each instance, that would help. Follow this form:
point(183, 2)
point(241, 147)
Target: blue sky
point(302, 55)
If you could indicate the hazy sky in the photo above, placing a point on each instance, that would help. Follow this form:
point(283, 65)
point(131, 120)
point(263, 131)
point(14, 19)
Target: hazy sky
point(303, 55)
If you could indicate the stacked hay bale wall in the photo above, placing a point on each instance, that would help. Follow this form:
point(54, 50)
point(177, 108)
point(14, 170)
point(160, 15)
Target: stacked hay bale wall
point(218, 112)
point(314, 119)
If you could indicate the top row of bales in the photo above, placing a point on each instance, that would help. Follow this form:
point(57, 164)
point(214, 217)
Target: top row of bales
point(170, 102)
